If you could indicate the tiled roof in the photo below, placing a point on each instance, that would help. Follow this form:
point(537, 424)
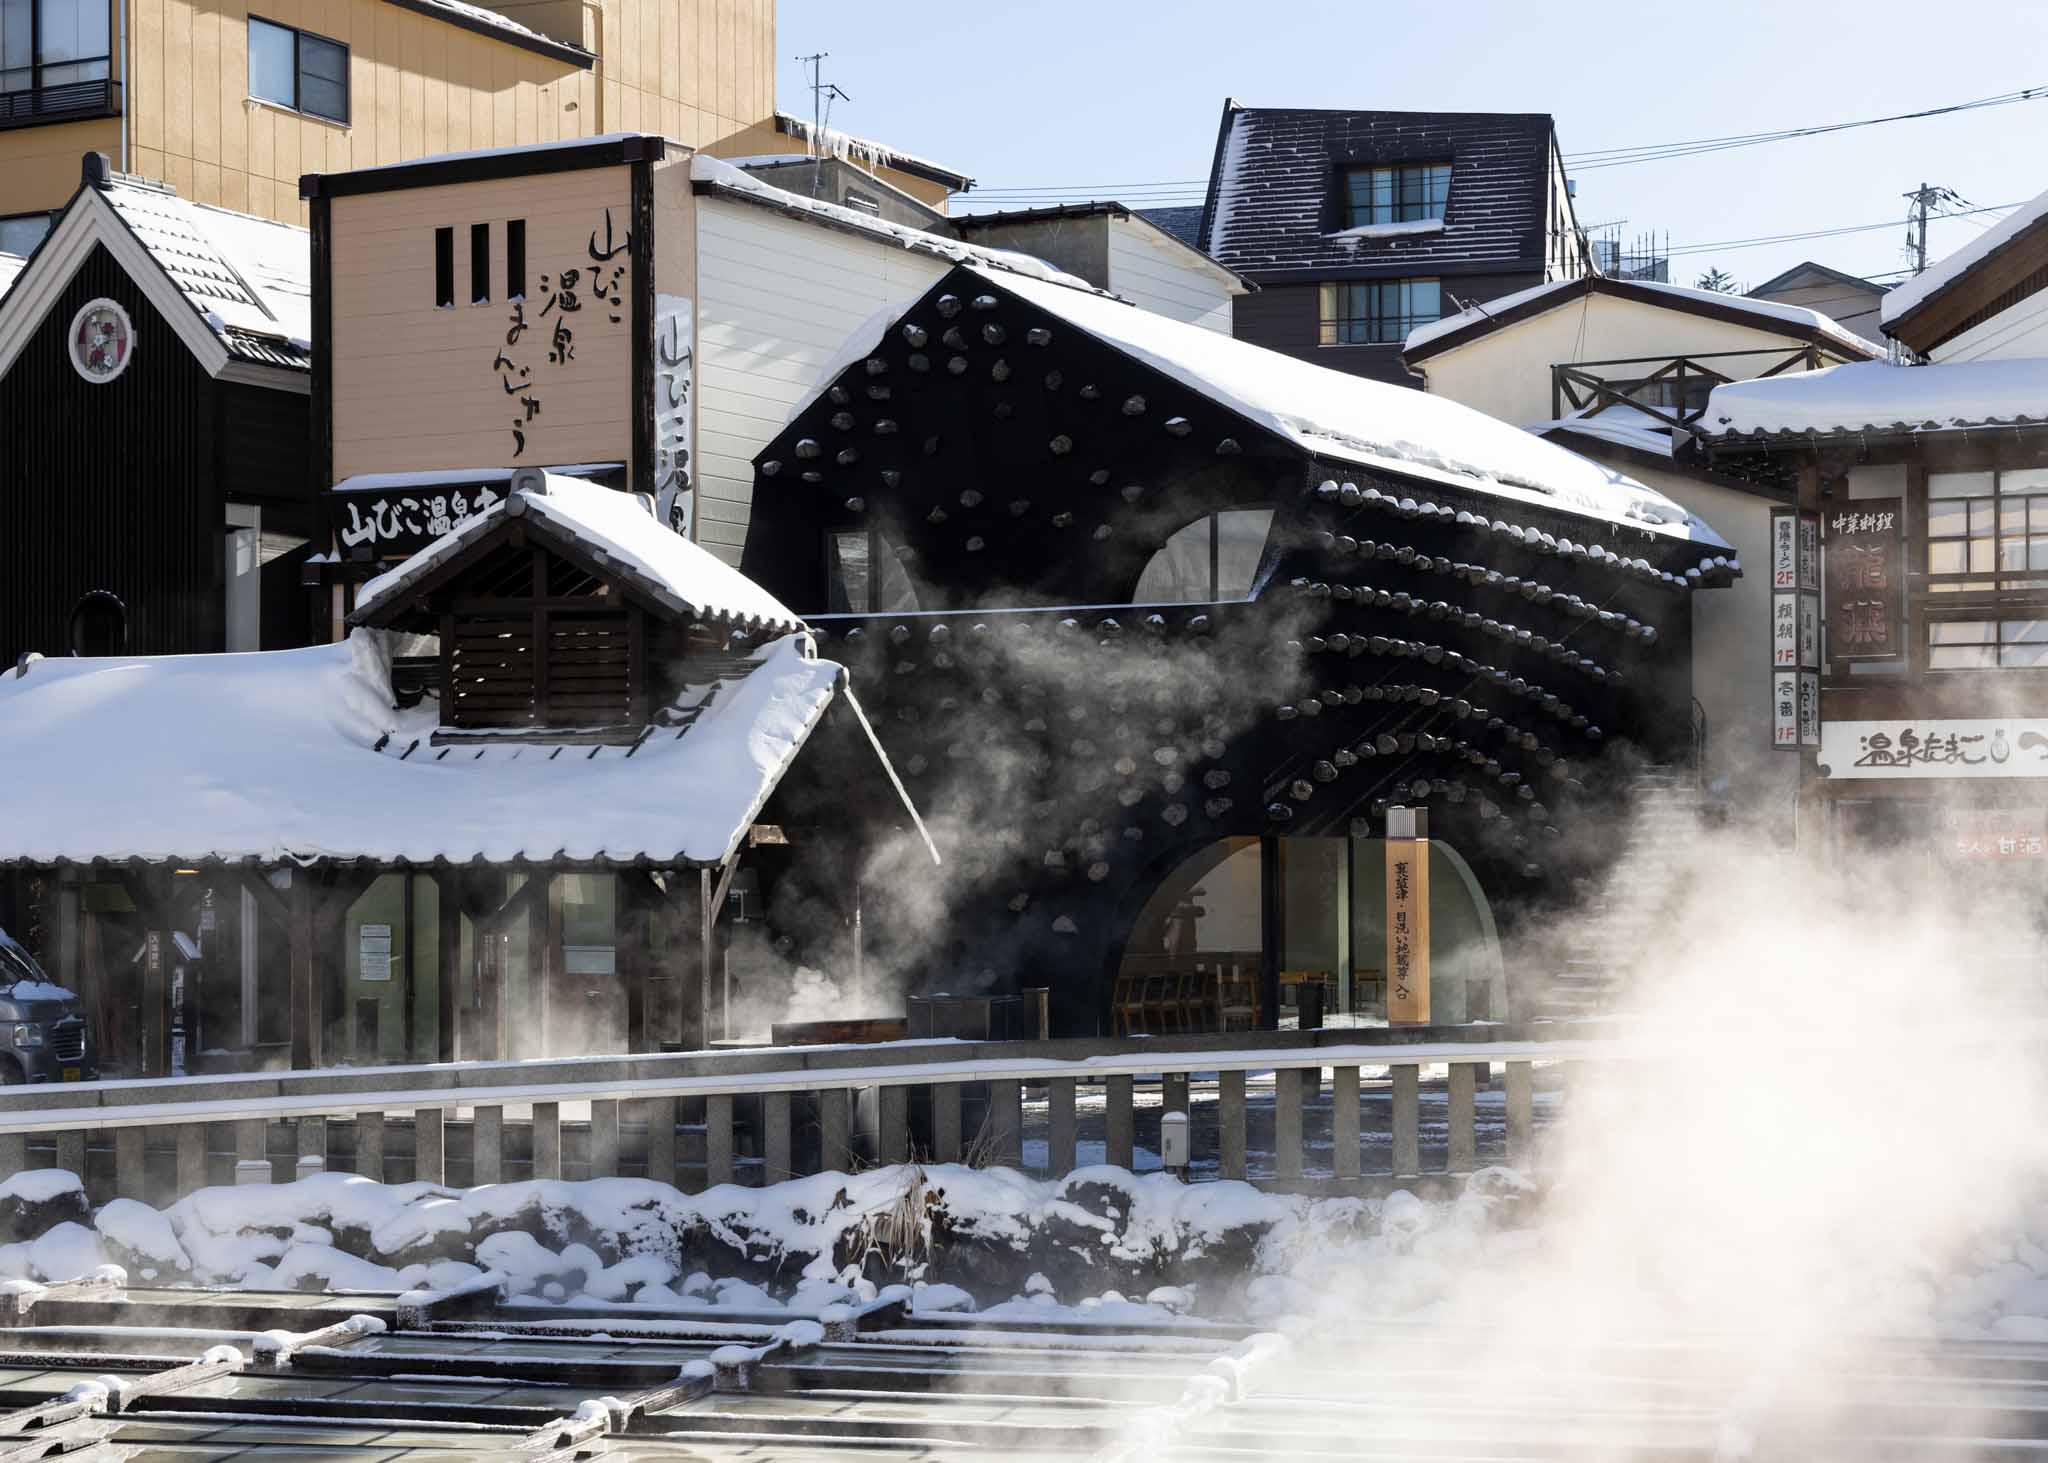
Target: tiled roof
point(1273, 191)
point(1184, 224)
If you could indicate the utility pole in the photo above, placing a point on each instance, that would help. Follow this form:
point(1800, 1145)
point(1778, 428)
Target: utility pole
point(1923, 199)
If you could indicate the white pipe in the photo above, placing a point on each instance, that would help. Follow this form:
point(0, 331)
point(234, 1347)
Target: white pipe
point(121, 29)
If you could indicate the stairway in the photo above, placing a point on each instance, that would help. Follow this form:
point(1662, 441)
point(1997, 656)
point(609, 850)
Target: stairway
point(1622, 917)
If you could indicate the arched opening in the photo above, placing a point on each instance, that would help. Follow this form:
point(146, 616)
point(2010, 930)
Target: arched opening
point(1214, 558)
point(1195, 951)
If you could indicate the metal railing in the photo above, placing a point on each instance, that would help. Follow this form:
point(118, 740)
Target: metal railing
point(771, 1113)
point(1587, 388)
point(100, 97)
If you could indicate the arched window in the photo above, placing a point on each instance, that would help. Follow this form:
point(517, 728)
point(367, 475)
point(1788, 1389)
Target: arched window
point(1214, 558)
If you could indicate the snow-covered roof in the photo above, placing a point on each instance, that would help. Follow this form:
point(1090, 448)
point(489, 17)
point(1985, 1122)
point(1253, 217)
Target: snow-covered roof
point(251, 278)
point(10, 266)
point(475, 16)
point(1347, 418)
point(832, 142)
point(1538, 299)
point(1868, 396)
point(298, 754)
point(616, 527)
point(1624, 426)
point(1903, 299)
point(715, 173)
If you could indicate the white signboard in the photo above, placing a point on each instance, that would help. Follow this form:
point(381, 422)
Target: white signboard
point(1784, 551)
point(1936, 747)
point(1784, 630)
point(675, 439)
point(1809, 708)
point(1785, 708)
point(373, 952)
point(1809, 631)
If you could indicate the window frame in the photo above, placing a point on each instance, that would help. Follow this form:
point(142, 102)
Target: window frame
point(298, 104)
point(1995, 597)
point(1430, 201)
point(1333, 326)
point(1213, 520)
point(38, 62)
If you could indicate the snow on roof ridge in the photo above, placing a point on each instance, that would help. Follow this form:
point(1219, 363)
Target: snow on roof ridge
point(847, 147)
point(1878, 396)
point(277, 279)
point(1770, 309)
point(723, 174)
point(1909, 295)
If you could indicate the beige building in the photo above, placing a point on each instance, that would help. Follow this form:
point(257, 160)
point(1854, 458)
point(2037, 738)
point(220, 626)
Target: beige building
point(230, 101)
point(1619, 371)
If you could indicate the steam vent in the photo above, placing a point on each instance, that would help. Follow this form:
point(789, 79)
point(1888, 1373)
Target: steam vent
point(1156, 625)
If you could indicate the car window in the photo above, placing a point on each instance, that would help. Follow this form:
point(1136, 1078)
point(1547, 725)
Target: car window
point(15, 963)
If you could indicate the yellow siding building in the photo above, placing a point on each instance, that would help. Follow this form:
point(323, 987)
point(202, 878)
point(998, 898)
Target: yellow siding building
point(230, 101)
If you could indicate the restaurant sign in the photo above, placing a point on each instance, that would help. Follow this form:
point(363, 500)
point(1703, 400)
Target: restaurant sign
point(1936, 747)
point(1865, 574)
point(1795, 630)
point(1996, 834)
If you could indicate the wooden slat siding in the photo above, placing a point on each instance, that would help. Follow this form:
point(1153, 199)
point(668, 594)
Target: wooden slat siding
point(946, 1122)
point(414, 386)
point(1062, 1155)
point(370, 1146)
point(130, 1172)
point(430, 1145)
point(1006, 1123)
point(893, 1124)
point(776, 299)
point(1406, 1095)
point(156, 425)
point(777, 1161)
point(835, 1128)
point(1287, 1123)
point(1230, 1124)
point(1155, 276)
point(1464, 1142)
point(718, 1140)
point(1344, 1122)
point(547, 1140)
point(1120, 1135)
point(1521, 1106)
point(661, 1139)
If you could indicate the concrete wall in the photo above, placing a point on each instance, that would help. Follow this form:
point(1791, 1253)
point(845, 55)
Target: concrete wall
point(1506, 374)
point(1151, 271)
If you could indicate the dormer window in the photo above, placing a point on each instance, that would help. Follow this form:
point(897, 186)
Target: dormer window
point(1403, 193)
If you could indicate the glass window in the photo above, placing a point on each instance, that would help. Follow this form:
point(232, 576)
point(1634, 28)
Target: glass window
point(48, 43)
point(1214, 558)
point(1963, 645)
point(1987, 531)
point(1379, 311)
point(1402, 194)
point(307, 73)
point(865, 576)
point(17, 45)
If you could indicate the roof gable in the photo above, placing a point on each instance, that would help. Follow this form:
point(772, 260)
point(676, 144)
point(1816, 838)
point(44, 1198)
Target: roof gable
point(1272, 203)
point(1994, 271)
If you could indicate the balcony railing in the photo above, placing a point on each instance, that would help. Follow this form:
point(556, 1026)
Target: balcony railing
point(1671, 389)
point(70, 102)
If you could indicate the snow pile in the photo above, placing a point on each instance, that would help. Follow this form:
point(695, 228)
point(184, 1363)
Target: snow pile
point(257, 744)
point(1910, 295)
point(1876, 396)
point(1408, 228)
point(39, 990)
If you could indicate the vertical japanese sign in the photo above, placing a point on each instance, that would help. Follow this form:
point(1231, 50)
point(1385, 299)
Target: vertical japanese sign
point(1407, 918)
point(675, 333)
point(1795, 629)
point(1865, 570)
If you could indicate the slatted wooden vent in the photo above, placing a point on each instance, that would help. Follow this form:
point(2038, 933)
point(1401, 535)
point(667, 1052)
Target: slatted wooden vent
point(549, 668)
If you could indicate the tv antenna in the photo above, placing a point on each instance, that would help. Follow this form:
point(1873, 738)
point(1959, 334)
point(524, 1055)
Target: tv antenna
point(823, 94)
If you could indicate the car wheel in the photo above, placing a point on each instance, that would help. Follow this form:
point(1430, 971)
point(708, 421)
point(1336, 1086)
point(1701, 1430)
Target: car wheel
point(10, 1073)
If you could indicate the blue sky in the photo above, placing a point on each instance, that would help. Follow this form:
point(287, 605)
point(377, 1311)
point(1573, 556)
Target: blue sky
point(1099, 98)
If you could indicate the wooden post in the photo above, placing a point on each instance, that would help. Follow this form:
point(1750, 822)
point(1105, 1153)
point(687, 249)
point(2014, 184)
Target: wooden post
point(835, 1123)
point(1173, 1093)
point(1407, 916)
point(312, 1147)
point(696, 981)
point(308, 1035)
point(633, 914)
point(429, 1145)
point(718, 1145)
point(604, 1138)
point(130, 1167)
point(1230, 1124)
point(453, 986)
point(661, 1137)
point(252, 1150)
point(71, 1151)
point(1521, 1111)
point(1062, 1155)
point(1407, 1100)
point(543, 923)
point(192, 1146)
point(1464, 1138)
point(1006, 1123)
point(13, 1154)
point(1344, 1120)
point(775, 1138)
point(370, 1146)
point(893, 1124)
point(547, 1140)
point(1120, 1135)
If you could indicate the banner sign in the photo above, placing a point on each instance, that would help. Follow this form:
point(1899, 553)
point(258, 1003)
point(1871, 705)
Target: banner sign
point(1970, 834)
point(1934, 747)
point(1407, 929)
point(1866, 579)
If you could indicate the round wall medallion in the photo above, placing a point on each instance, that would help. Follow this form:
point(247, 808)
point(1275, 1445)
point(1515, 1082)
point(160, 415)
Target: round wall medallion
point(102, 340)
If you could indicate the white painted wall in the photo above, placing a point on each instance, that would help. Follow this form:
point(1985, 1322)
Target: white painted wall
point(776, 299)
point(2021, 331)
point(1851, 308)
point(1506, 373)
point(1154, 274)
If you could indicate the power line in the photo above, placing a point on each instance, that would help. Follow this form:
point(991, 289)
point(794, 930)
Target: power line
point(1765, 239)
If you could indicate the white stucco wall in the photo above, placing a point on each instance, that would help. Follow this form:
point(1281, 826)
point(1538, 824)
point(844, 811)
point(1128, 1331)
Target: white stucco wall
point(1153, 274)
point(1506, 373)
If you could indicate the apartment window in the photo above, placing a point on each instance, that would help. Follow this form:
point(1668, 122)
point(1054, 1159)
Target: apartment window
point(1406, 193)
point(1958, 645)
point(515, 259)
point(297, 69)
point(479, 264)
point(1378, 311)
point(21, 233)
point(1214, 558)
point(444, 268)
point(46, 44)
point(1987, 532)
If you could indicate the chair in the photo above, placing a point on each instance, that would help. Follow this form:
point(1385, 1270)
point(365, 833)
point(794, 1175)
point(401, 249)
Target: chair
point(1194, 999)
point(1127, 1004)
point(1237, 1000)
point(1162, 1004)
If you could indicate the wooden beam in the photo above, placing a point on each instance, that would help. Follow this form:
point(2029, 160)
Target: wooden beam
point(308, 1034)
point(449, 958)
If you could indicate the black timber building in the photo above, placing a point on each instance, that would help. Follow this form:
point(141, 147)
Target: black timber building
point(1358, 226)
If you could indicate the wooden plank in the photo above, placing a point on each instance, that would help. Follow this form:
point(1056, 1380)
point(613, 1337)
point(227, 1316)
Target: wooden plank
point(946, 1122)
point(718, 1139)
point(370, 1145)
point(1006, 1123)
point(1120, 1130)
point(893, 1124)
point(1344, 1121)
point(1230, 1122)
point(1464, 1139)
point(1521, 1103)
point(1287, 1123)
point(775, 1137)
point(1407, 1099)
point(430, 1145)
point(604, 1138)
point(547, 1140)
point(661, 1139)
point(835, 1125)
point(487, 1146)
point(1062, 1149)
